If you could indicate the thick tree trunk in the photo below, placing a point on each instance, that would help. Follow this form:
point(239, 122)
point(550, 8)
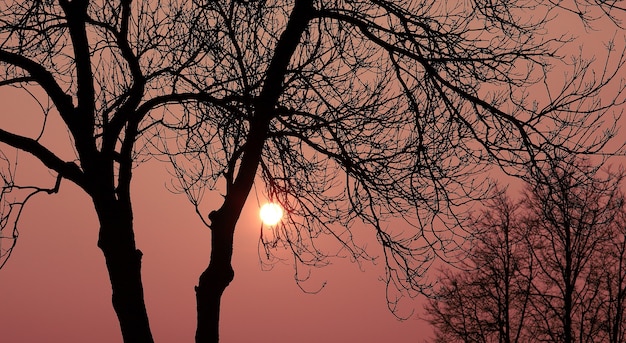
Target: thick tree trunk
point(215, 279)
point(219, 273)
point(123, 262)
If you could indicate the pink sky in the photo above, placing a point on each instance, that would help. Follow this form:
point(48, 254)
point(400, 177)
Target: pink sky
point(55, 287)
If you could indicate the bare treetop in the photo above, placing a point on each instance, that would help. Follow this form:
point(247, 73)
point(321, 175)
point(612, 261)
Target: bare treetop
point(388, 110)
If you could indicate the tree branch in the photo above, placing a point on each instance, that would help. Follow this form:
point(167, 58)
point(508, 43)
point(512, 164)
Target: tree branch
point(68, 170)
point(39, 74)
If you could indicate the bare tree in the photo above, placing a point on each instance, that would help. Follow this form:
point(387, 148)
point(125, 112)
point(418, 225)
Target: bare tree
point(568, 226)
point(489, 301)
point(350, 111)
point(613, 271)
point(573, 212)
point(367, 111)
point(100, 67)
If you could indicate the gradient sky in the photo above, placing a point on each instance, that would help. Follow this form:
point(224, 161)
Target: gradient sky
point(55, 287)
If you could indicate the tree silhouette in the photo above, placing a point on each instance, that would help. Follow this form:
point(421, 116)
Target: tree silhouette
point(574, 216)
point(614, 279)
point(99, 66)
point(351, 112)
point(362, 112)
point(568, 230)
point(489, 302)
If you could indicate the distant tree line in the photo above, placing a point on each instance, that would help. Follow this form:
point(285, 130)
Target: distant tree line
point(547, 267)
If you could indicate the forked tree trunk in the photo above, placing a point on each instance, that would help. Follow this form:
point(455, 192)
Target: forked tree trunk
point(123, 261)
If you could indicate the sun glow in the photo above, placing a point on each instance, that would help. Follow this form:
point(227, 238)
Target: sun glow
point(271, 213)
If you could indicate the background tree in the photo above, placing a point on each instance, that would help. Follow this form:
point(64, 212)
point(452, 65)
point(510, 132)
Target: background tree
point(573, 213)
point(352, 111)
point(613, 276)
point(489, 300)
point(568, 224)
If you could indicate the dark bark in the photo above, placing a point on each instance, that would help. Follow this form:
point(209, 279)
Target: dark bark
point(569, 288)
point(219, 273)
point(123, 261)
point(215, 278)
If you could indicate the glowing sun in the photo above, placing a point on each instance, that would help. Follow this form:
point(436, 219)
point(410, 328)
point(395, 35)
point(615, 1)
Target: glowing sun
point(271, 213)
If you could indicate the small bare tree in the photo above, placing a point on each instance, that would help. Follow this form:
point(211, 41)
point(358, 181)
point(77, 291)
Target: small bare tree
point(489, 301)
point(573, 213)
point(613, 271)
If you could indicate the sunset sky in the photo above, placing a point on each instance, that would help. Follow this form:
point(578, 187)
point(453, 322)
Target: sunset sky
point(55, 286)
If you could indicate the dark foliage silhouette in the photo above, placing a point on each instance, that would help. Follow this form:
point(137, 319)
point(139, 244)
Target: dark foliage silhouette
point(348, 111)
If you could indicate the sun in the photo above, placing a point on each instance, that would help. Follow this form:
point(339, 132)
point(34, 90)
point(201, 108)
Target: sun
point(271, 213)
